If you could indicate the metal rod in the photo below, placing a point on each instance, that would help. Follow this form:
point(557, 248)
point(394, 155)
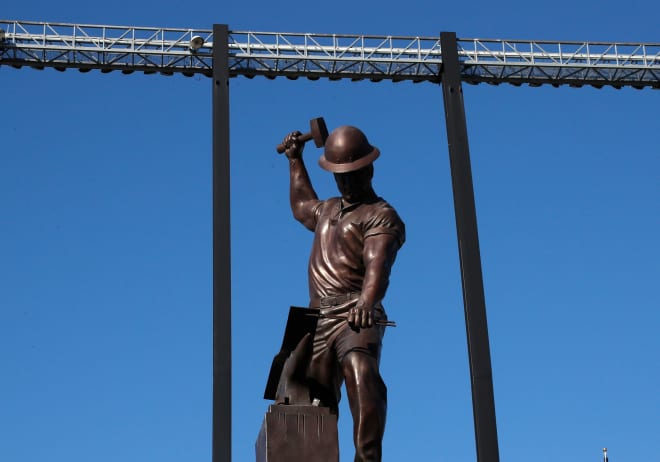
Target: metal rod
point(379, 322)
point(221, 251)
point(483, 402)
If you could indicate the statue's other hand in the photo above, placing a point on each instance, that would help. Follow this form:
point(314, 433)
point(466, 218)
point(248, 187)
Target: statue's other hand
point(294, 147)
point(360, 316)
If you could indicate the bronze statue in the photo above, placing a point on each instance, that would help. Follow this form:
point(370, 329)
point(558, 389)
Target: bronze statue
point(356, 239)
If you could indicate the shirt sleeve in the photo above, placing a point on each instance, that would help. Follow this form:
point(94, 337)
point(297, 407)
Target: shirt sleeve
point(316, 211)
point(386, 221)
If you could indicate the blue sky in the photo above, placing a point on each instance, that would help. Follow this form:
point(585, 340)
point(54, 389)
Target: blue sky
point(105, 243)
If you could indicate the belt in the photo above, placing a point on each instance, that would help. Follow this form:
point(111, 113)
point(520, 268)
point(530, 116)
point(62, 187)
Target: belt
point(334, 300)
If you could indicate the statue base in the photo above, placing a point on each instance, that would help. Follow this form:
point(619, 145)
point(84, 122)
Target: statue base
point(294, 433)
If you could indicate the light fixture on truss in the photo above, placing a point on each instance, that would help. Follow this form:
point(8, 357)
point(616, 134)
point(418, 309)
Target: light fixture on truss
point(196, 43)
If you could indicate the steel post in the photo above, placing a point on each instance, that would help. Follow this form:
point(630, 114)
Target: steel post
point(221, 250)
point(483, 402)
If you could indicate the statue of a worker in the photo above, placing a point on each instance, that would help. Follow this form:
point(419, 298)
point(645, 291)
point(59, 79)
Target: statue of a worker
point(356, 239)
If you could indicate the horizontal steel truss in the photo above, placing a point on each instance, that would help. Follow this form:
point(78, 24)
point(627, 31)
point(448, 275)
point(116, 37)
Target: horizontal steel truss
point(357, 57)
point(108, 48)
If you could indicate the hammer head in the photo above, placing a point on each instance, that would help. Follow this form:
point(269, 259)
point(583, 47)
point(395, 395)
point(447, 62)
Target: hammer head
point(319, 131)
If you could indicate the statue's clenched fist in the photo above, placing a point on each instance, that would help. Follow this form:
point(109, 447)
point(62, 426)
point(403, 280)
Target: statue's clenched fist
point(293, 146)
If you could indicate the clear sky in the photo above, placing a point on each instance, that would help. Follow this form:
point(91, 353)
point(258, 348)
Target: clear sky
point(105, 242)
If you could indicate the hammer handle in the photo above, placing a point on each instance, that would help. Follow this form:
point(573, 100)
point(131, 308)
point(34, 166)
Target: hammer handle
point(305, 137)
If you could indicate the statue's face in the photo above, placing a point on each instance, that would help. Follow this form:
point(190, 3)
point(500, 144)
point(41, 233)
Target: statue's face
point(354, 185)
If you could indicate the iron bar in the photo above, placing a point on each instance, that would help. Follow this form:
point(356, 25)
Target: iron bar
point(222, 392)
point(378, 322)
point(483, 400)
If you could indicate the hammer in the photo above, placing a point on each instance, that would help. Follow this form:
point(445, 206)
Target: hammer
point(318, 133)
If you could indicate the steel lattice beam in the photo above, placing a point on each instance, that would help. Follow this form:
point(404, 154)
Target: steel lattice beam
point(376, 58)
point(107, 48)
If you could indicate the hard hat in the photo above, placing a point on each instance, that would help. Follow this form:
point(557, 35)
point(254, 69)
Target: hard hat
point(347, 149)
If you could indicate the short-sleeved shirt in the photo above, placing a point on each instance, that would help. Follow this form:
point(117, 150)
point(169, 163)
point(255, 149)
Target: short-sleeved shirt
point(336, 265)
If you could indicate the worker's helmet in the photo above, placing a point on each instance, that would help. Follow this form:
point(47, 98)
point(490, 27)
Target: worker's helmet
point(347, 149)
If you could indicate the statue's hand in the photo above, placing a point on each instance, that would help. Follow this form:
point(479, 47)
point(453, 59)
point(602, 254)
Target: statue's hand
point(294, 147)
point(361, 315)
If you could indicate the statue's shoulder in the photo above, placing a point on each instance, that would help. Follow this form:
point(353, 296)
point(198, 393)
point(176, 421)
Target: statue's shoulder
point(381, 218)
point(384, 206)
point(328, 204)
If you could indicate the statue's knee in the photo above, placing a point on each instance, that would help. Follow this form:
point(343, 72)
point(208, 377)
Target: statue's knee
point(358, 364)
point(361, 368)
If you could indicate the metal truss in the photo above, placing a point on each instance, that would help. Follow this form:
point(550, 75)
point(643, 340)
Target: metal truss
point(420, 59)
point(357, 57)
point(558, 63)
point(108, 48)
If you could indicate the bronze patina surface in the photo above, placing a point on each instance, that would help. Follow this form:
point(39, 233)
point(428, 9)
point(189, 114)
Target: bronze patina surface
point(356, 239)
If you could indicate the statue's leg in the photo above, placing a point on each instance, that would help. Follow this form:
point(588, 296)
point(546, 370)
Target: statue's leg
point(359, 354)
point(324, 374)
point(367, 399)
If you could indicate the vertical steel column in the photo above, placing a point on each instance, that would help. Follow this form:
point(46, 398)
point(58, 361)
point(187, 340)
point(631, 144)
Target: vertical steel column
point(483, 402)
point(221, 249)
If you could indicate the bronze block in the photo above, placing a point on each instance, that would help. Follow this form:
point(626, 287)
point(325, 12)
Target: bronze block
point(292, 433)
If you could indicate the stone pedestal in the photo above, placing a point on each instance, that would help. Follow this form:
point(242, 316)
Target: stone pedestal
point(292, 433)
